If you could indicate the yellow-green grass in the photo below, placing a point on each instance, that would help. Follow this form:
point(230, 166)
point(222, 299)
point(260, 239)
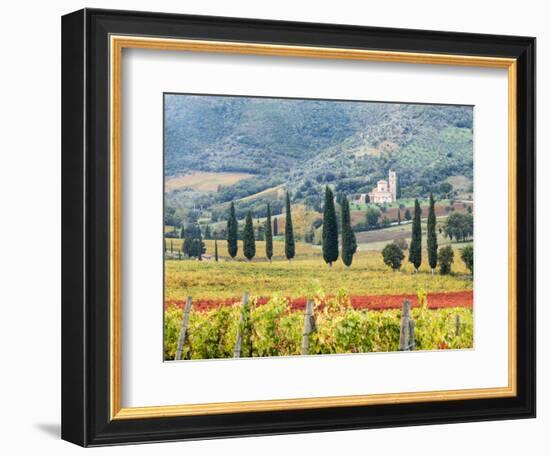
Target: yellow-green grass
point(204, 181)
point(302, 249)
point(268, 193)
point(303, 276)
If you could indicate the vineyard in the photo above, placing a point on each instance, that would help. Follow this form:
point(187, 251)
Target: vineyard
point(300, 227)
point(356, 310)
point(275, 328)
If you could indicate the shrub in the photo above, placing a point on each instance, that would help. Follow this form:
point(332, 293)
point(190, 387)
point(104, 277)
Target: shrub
point(445, 259)
point(372, 215)
point(393, 256)
point(467, 255)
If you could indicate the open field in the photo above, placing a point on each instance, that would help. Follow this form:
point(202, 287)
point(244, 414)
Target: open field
point(306, 275)
point(204, 181)
point(267, 194)
point(377, 239)
point(442, 209)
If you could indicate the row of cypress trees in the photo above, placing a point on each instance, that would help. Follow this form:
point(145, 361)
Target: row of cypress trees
point(330, 234)
point(415, 249)
point(249, 241)
point(330, 231)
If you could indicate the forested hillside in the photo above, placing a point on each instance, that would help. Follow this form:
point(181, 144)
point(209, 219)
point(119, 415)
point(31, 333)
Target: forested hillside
point(304, 144)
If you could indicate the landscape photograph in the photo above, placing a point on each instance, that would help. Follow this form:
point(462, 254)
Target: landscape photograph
point(316, 227)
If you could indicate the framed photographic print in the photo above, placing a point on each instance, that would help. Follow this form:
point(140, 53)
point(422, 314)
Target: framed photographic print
point(271, 227)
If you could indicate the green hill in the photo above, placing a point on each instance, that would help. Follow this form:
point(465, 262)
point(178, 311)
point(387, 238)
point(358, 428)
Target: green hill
point(305, 144)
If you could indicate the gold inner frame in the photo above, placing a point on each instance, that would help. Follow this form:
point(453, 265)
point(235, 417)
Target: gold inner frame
point(117, 44)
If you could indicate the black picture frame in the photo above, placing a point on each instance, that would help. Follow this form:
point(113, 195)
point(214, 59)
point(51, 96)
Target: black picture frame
point(85, 228)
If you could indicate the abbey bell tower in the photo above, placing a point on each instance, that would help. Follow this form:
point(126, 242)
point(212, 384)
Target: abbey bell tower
point(393, 184)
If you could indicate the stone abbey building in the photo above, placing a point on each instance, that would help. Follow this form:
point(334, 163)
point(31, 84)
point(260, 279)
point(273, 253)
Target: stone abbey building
point(385, 190)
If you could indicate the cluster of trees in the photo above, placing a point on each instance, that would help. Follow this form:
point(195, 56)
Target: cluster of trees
point(459, 226)
point(192, 241)
point(393, 253)
point(193, 245)
point(376, 219)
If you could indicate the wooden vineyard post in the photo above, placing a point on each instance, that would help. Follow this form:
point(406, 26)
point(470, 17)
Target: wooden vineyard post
point(183, 331)
point(238, 342)
point(457, 325)
point(411, 334)
point(309, 326)
point(405, 326)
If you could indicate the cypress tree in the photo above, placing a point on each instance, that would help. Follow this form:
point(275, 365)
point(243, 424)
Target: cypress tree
point(398, 187)
point(185, 246)
point(330, 229)
point(249, 242)
point(290, 248)
point(415, 250)
point(199, 245)
point(349, 243)
point(268, 235)
point(182, 232)
point(275, 227)
point(232, 227)
point(432, 235)
point(216, 250)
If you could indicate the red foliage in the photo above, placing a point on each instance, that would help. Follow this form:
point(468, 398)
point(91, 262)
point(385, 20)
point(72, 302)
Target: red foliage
point(378, 302)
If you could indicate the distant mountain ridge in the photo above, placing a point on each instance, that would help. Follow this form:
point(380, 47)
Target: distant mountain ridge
point(219, 133)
